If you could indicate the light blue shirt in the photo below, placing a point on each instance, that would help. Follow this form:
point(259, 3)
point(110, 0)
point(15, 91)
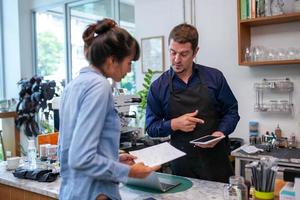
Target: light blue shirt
point(89, 139)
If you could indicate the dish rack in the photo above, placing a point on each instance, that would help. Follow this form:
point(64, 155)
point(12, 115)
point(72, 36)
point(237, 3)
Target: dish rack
point(268, 88)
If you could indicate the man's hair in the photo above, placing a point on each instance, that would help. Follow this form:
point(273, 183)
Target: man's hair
point(184, 33)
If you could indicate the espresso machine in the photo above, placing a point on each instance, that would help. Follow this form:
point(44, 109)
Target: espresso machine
point(127, 105)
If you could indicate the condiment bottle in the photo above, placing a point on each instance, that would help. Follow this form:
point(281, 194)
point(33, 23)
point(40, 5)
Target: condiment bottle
point(278, 131)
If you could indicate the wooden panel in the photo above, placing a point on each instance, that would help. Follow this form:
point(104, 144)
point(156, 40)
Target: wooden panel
point(4, 192)
point(279, 19)
point(16, 194)
point(8, 114)
point(272, 62)
point(31, 196)
point(12, 193)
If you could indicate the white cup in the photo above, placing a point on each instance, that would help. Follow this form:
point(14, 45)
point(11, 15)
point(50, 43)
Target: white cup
point(12, 163)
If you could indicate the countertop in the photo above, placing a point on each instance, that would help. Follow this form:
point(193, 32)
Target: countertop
point(200, 190)
point(282, 154)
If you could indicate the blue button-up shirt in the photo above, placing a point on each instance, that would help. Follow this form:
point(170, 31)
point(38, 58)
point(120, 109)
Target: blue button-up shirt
point(218, 88)
point(89, 139)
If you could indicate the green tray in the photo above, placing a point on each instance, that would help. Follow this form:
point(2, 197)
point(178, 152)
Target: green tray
point(184, 185)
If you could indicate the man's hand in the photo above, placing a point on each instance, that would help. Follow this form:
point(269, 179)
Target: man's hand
point(186, 122)
point(212, 144)
point(140, 170)
point(127, 159)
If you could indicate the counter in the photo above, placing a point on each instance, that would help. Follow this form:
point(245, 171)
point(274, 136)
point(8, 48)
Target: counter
point(200, 190)
point(286, 158)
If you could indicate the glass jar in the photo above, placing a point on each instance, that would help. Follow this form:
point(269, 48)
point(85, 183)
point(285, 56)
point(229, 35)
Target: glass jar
point(292, 142)
point(296, 6)
point(236, 189)
point(274, 105)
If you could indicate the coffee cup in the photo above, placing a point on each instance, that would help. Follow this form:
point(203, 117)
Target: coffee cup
point(12, 163)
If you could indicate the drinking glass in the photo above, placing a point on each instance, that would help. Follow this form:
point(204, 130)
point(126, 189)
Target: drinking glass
point(281, 54)
point(271, 54)
point(4, 105)
point(248, 54)
point(236, 189)
point(297, 53)
point(291, 53)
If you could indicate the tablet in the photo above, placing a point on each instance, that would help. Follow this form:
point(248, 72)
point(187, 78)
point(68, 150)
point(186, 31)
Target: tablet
point(207, 139)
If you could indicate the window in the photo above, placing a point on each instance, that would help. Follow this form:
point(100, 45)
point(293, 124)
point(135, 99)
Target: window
point(57, 58)
point(81, 16)
point(49, 33)
point(127, 22)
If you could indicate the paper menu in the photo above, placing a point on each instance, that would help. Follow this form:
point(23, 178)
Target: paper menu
point(157, 154)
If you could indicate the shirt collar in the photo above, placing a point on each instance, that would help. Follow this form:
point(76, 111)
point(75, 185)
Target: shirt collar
point(90, 69)
point(194, 73)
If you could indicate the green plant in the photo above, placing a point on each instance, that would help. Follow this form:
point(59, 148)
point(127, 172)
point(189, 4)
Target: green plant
point(146, 86)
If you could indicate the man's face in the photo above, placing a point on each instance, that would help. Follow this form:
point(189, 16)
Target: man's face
point(182, 56)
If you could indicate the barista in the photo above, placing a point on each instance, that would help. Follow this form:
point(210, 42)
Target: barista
point(189, 101)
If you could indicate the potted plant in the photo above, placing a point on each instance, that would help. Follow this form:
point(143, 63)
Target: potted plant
point(144, 94)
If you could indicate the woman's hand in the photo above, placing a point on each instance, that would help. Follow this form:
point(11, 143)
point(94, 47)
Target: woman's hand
point(140, 170)
point(127, 159)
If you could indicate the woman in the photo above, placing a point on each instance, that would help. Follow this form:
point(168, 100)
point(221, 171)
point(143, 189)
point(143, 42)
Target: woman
point(89, 124)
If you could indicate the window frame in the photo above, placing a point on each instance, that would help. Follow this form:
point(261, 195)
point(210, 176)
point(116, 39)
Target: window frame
point(2, 69)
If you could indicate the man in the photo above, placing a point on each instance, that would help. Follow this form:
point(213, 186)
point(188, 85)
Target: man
point(190, 101)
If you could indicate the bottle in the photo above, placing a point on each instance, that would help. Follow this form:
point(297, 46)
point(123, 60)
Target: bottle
point(268, 8)
point(31, 154)
point(237, 189)
point(292, 142)
point(278, 132)
point(296, 6)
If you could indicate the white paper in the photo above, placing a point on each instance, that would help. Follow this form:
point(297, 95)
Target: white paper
point(157, 154)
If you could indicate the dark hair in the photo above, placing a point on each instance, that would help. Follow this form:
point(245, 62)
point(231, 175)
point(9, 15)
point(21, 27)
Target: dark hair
point(184, 33)
point(104, 39)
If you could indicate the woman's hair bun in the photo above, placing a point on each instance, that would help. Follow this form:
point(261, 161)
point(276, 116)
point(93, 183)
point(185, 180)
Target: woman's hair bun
point(96, 29)
point(104, 25)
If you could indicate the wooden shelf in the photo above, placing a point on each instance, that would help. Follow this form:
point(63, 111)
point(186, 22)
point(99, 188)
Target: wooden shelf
point(271, 62)
point(8, 114)
point(279, 19)
point(244, 35)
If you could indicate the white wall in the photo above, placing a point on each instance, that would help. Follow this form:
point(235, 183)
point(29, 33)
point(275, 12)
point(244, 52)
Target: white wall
point(17, 55)
point(217, 25)
point(156, 18)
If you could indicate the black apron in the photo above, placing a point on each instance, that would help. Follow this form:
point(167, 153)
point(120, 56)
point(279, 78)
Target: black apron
point(202, 163)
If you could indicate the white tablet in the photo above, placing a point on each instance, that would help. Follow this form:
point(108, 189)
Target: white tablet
point(207, 139)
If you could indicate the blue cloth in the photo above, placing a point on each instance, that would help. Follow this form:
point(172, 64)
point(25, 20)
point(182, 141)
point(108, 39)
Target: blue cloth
point(89, 139)
point(225, 103)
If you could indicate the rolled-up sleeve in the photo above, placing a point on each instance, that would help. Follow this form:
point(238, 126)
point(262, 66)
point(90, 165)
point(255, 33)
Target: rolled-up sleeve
point(156, 125)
